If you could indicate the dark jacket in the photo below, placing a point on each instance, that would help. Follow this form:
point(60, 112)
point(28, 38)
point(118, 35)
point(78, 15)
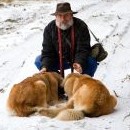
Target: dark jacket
point(50, 44)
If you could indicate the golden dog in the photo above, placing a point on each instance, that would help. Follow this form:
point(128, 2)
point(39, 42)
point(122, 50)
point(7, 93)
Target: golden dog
point(34, 92)
point(87, 97)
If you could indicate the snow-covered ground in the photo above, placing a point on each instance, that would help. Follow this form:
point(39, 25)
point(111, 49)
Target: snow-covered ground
point(21, 29)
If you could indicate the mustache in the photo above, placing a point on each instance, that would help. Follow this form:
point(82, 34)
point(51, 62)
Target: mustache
point(64, 26)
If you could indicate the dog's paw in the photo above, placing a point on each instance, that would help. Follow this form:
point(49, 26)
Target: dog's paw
point(61, 105)
point(47, 112)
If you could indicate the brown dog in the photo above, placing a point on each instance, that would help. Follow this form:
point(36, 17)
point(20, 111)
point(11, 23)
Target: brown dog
point(34, 92)
point(87, 97)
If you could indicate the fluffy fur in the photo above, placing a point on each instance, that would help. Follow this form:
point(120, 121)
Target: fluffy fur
point(28, 96)
point(87, 97)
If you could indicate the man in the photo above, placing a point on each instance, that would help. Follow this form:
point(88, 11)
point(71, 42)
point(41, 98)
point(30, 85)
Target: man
point(66, 44)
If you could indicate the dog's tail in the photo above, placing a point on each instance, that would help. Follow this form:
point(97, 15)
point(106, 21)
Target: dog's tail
point(62, 114)
point(70, 114)
point(50, 112)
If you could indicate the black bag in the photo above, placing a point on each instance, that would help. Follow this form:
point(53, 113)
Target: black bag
point(98, 52)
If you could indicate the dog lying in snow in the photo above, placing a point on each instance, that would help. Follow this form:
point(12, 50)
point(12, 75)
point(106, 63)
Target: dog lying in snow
point(28, 96)
point(87, 97)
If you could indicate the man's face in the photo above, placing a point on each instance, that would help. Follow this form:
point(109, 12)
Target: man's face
point(64, 21)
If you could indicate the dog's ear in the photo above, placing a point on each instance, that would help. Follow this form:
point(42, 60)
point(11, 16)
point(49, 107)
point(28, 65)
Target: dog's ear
point(74, 75)
point(65, 79)
point(87, 76)
point(58, 77)
point(63, 82)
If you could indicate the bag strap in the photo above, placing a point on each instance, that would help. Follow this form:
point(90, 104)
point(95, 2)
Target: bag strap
point(97, 39)
point(97, 50)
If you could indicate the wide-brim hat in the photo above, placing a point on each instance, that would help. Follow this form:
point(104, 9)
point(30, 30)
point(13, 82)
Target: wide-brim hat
point(63, 8)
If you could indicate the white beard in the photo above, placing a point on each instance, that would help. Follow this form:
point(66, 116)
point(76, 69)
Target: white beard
point(64, 26)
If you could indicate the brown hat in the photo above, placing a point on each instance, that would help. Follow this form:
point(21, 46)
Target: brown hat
point(63, 8)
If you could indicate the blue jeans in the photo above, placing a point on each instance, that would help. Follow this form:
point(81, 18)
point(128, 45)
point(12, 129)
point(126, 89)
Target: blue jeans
point(90, 68)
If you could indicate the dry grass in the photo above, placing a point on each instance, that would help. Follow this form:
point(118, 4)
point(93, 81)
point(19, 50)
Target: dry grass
point(7, 1)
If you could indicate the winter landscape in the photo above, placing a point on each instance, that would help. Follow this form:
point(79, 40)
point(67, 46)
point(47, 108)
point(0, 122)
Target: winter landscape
point(21, 30)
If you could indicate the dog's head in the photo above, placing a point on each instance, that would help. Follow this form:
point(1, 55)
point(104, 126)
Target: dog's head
point(58, 77)
point(70, 83)
point(70, 76)
point(49, 76)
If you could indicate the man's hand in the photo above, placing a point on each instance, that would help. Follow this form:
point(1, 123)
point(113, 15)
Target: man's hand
point(77, 67)
point(43, 70)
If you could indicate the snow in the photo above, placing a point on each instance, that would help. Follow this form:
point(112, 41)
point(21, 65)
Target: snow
point(21, 30)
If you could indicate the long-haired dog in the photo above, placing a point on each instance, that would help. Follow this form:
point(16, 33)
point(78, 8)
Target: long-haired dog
point(87, 97)
point(28, 96)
